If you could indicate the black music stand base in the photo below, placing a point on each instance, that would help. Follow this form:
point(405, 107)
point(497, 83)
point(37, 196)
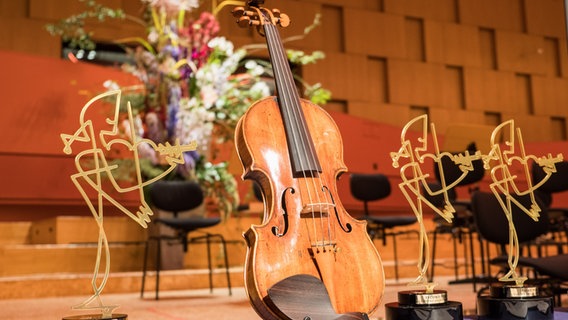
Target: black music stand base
point(418, 305)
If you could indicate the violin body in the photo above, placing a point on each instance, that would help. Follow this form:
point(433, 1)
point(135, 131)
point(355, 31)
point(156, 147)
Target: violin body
point(305, 230)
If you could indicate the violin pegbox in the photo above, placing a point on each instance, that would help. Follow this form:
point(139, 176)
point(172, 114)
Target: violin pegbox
point(253, 15)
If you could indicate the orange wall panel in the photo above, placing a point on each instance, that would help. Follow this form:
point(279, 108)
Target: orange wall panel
point(374, 33)
point(501, 15)
point(301, 14)
point(487, 90)
point(26, 38)
point(545, 17)
point(444, 118)
point(415, 83)
point(13, 9)
point(391, 114)
point(452, 44)
point(439, 10)
point(343, 74)
point(550, 96)
point(356, 4)
point(520, 52)
point(533, 128)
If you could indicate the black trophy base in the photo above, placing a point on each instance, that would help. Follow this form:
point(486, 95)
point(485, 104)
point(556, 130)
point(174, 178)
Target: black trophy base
point(447, 310)
point(419, 305)
point(509, 302)
point(96, 317)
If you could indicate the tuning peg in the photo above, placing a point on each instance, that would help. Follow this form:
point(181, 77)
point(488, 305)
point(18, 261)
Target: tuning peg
point(281, 18)
point(243, 21)
point(238, 12)
point(284, 20)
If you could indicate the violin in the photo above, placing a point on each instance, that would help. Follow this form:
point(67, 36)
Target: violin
point(293, 149)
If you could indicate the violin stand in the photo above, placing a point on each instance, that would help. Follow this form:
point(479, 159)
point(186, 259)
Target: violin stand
point(97, 317)
point(417, 304)
point(512, 302)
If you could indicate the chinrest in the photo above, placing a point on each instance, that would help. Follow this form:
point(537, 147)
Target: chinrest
point(305, 297)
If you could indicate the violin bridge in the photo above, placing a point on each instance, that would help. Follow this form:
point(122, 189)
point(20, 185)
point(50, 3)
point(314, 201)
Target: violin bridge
point(320, 207)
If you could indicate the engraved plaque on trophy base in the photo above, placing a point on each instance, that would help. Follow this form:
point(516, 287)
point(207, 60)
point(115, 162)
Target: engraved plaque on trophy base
point(97, 317)
point(507, 301)
point(421, 305)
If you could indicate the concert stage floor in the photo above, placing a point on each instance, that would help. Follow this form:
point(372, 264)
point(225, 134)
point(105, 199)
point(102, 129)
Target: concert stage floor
point(195, 304)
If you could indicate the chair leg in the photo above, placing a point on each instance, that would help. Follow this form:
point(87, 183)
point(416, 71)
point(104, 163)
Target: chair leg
point(207, 241)
point(144, 266)
point(158, 265)
point(472, 258)
point(395, 256)
point(224, 244)
point(434, 237)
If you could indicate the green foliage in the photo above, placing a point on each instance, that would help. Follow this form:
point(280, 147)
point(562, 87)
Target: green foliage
point(72, 29)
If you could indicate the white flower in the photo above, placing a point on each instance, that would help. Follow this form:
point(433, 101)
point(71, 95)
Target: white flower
point(222, 44)
point(111, 85)
point(260, 88)
point(254, 68)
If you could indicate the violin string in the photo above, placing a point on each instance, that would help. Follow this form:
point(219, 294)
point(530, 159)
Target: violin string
point(291, 99)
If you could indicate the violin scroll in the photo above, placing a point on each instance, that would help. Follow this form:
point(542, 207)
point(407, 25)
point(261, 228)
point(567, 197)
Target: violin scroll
point(254, 15)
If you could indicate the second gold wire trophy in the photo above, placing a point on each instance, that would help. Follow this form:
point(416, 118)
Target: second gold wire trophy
point(510, 294)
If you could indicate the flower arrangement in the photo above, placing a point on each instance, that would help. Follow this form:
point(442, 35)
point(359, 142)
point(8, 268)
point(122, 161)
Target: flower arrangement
point(195, 85)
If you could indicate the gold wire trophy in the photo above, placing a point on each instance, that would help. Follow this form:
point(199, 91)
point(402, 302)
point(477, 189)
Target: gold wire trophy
point(511, 297)
point(96, 179)
point(425, 302)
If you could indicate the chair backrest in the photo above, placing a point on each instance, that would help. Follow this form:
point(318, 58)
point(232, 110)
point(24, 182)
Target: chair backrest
point(438, 199)
point(176, 196)
point(369, 186)
point(557, 182)
point(492, 224)
point(452, 171)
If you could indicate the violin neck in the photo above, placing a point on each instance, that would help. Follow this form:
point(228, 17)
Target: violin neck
point(303, 158)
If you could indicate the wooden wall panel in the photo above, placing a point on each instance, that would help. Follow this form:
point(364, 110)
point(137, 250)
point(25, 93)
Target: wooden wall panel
point(332, 28)
point(414, 35)
point(550, 96)
point(26, 38)
point(344, 74)
point(487, 48)
point(533, 128)
point(374, 33)
point(452, 88)
point(392, 114)
point(444, 119)
point(487, 90)
point(545, 17)
point(524, 99)
point(439, 10)
point(301, 14)
point(356, 4)
point(520, 52)
point(59, 9)
point(552, 61)
point(415, 83)
point(376, 81)
point(452, 44)
point(502, 14)
point(13, 9)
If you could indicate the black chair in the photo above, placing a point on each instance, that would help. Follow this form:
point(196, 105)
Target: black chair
point(175, 197)
point(492, 226)
point(373, 187)
point(462, 227)
point(557, 182)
